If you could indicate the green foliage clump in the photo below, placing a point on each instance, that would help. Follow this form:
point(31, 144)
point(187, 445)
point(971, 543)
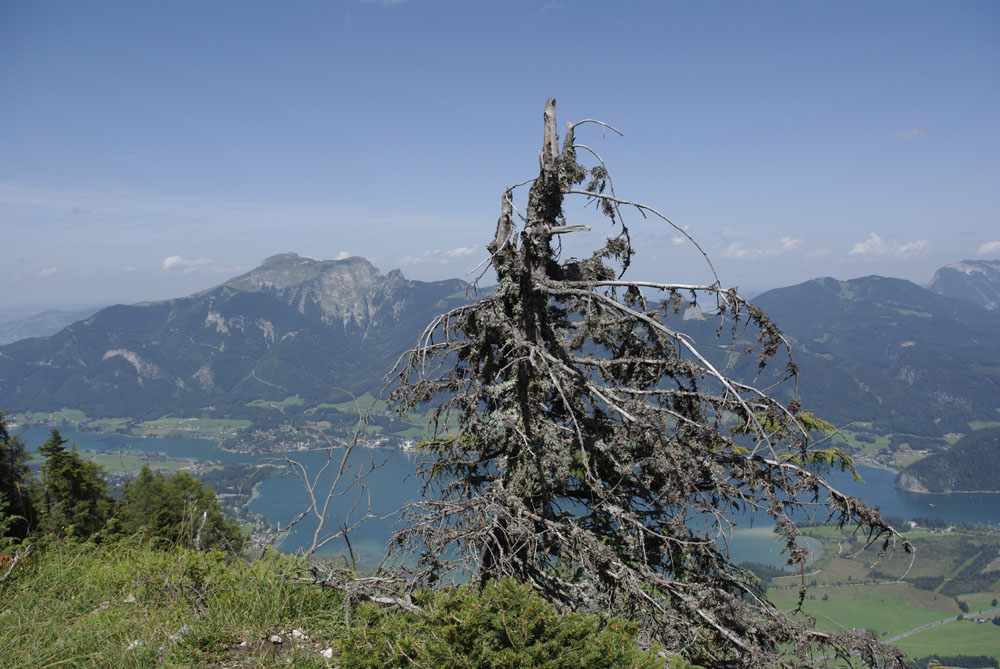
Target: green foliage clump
point(507, 625)
point(15, 507)
point(178, 510)
point(123, 603)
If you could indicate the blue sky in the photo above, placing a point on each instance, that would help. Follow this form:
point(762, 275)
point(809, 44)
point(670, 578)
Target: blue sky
point(151, 149)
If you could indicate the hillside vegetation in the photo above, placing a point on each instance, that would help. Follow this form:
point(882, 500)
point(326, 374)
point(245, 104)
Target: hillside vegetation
point(972, 464)
point(128, 604)
point(952, 587)
point(157, 575)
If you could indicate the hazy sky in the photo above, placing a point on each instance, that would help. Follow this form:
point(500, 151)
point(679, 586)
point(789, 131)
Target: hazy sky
point(152, 149)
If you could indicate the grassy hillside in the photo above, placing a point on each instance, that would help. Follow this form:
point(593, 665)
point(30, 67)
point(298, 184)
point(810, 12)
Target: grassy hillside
point(128, 605)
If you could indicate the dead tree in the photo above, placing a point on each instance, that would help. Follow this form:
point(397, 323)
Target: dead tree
point(339, 483)
point(586, 446)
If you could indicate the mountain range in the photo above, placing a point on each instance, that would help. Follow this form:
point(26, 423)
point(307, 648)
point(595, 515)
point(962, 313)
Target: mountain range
point(892, 353)
point(907, 359)
point(293, 326)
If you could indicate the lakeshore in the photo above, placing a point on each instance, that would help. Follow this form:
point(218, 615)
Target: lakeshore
point(392, 484)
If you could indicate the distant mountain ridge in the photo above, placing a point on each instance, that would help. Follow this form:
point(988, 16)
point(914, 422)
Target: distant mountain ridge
point(293, 326)
point(977, 281)
point(42, 324)
point(891, 352)
point(873, 349)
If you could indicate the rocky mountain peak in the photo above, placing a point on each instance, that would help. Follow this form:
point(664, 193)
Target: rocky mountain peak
point(976, 281)
point(289, 270)
point(350, 290)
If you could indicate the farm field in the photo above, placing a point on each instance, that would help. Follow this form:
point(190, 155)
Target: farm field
point(954, 573)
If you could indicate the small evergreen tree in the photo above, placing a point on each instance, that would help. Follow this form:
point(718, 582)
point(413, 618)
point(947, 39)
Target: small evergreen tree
point(74, 498)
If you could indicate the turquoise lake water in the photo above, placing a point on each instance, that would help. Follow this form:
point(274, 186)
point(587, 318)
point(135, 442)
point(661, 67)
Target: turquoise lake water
point(392, 484)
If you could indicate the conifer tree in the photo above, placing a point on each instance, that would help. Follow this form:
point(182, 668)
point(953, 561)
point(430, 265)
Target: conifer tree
point(74, 499)
point(15, 501)
point(589, 447)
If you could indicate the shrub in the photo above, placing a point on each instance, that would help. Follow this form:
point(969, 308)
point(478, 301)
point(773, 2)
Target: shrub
point(508, 625)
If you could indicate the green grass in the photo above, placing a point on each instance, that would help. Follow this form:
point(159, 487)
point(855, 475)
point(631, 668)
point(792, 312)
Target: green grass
point(108, 424)
point(292, 400)
point(125, 604)
point(125, 463)
point(365, 402)
point(856, 598)
point(321, 405)
point(416, 433)
point(981, 601)
point(847, 436)
point(129, 464)
point(963, 637)
point(86, 605)
point(71, 416)
point(888, 609)
point(208, 428)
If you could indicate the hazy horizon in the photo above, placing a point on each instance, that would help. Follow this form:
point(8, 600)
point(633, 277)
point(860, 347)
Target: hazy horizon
point(152, 150)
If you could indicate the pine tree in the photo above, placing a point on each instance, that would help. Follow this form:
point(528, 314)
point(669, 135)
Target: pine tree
point(74, 498)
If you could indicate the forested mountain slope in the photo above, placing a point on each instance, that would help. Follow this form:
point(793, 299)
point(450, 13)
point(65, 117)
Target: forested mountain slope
point(293, 326)
point(971, 465)
point(888, 351)
point(870, 349)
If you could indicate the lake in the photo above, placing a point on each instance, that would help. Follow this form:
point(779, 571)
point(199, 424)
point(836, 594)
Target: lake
point(391, 485)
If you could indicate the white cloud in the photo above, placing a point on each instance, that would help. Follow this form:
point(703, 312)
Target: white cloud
point(877, 247)
point(737, 250)
point(909, 134)
point(47, 272)
point(989, 249)
point(438, 256)
point(342, 255)
point(678, 239)
point(187, 265)
point(917, 247)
